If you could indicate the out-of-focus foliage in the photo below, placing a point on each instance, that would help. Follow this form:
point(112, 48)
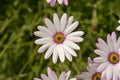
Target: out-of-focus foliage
point(19, 59)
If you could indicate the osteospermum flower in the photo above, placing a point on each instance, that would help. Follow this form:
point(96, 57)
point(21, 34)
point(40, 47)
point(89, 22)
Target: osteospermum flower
point(92, 73)
point(109, 57)
point(52, 2)
point(118, 28)
point(52, 76)
point(58, 38)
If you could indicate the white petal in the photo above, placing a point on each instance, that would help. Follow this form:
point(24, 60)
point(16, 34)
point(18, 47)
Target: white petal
point(67, 54)
point(48, 1)
point(67, 75)
point(49, 51)
point(63, 21)
point(118, 43)
point(100, 59)
point(71, 51)
point(110, 44)
point(113, 38)
point(77, 33)
point(43, 40)
point(61, 53)
point(109, 72)
point(102, 67)
point(55, 55)
point(102, 48)
point(56, 22)
point(118, 28)
point(103, 75)
point(40, 34)
point(103, 44)
point(60, 1)
point(49, 71)
point(114, 75)
point(50, 25)
point(72, 45)
point(44, 30)
point(101, 53)
point(70, 20)
point(51, 74)
point(43, 47)
point(37, 79)
point(71, 27)
point(90, 60)
point(84, 75)
point(119, 21)
point(75, 39)
point(73, 79)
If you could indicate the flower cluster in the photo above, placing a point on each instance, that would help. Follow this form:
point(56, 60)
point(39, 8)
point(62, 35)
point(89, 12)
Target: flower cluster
point(58, 39)
point(107, 65)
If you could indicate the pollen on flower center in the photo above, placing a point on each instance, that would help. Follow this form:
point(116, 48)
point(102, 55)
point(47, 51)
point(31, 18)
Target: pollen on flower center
point(96, 76)
point(113, 58)
point(59, 37)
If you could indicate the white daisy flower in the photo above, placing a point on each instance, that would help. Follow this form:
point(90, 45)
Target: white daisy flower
point(58, 38)
point(109, 57)
point(118, 28)
point(52, 76)
point(92, 73)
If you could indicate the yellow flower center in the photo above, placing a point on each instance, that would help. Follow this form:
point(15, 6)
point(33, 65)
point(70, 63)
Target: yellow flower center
point(59, 37)
point(96, 76)
point(113, 58)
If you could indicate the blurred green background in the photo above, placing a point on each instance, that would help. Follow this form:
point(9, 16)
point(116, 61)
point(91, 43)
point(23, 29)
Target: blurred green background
point(19, 59)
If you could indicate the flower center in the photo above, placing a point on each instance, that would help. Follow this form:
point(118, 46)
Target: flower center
point(113, 58)
point(96, 76)
point(59, 37)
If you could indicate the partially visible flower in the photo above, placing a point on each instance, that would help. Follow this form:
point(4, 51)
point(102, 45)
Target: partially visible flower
point(58, 38)
point(63, 1)
point(109, 57)
point(52, 76)
point(52, 2)
point(118, 28)
point(92, 73)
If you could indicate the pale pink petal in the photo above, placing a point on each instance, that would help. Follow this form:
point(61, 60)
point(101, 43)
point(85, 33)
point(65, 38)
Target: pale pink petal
point(44, 77)
point(66, 2)
point(52, 3)
point(62, 76)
